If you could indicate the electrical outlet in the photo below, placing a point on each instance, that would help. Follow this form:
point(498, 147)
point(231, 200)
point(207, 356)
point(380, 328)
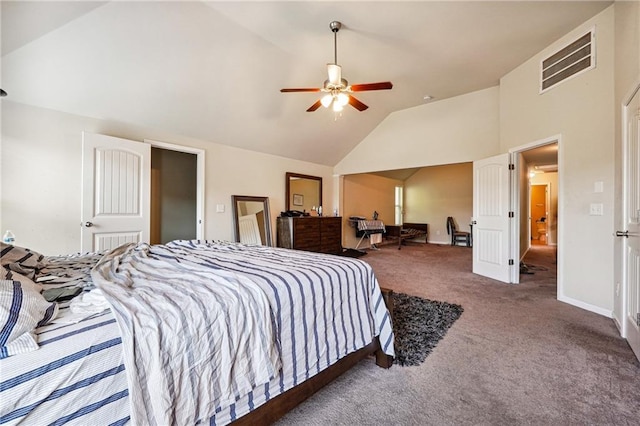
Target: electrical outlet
point(596, 209)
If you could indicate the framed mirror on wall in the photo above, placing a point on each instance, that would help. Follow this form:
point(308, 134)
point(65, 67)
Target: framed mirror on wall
point(303, 192)
point(251, 220)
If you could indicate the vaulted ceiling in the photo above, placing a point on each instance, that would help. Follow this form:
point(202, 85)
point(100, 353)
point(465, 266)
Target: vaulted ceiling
point(213, 70)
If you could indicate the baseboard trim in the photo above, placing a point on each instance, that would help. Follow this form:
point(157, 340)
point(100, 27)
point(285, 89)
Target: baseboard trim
point(586, 306)
point(619, 326)
point(445, 243)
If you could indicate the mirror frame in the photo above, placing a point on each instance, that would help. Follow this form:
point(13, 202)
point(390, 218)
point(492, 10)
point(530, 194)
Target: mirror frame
point(267, 216)
point(288, 177)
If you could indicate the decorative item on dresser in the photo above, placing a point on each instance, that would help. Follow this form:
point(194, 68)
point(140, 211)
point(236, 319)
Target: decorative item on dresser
point(311, 233)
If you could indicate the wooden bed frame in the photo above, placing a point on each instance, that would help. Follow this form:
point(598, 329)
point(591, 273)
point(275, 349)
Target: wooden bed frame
point(277, 407)
point(395, 231)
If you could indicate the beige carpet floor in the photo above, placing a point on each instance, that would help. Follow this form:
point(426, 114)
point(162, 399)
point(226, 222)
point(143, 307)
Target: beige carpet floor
point(517, 356)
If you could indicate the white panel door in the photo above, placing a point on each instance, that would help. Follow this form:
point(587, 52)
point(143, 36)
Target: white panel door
point(249, 229)
point(491, 217)
point(115, 192)
point(631, 246)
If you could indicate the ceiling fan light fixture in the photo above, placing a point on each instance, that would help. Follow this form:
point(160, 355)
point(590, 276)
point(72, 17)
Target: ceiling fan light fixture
point(337, 107)
point(326, 100)
point(342, 99)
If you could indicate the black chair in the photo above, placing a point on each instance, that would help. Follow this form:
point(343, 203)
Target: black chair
point(457, 236)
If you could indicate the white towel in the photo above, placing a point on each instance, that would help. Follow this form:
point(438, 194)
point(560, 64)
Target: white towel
point(375, 238)
point(83, 306)
point(92, 302)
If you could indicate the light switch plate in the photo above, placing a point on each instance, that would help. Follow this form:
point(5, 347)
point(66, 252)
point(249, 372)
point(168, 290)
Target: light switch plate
point(219, 208)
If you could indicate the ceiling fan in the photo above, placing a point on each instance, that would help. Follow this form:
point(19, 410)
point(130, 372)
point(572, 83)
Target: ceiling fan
point(337, 89)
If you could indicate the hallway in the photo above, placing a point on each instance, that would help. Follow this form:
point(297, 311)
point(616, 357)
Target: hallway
point(540, 264)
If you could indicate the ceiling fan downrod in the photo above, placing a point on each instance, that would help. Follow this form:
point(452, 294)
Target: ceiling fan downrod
point(335, 27)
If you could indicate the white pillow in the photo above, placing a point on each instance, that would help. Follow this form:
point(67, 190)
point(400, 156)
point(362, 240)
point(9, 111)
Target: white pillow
point(22, 309)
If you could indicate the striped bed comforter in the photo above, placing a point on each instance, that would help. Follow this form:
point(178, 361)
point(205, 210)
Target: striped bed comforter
point(321, 308)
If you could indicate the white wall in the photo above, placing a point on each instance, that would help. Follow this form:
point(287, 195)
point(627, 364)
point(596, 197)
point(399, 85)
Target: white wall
point(455, 130)
point(581, 111)
point(434, 193)
point(41, 171)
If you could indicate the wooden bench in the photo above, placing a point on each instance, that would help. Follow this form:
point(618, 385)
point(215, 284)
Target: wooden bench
point(407, 231)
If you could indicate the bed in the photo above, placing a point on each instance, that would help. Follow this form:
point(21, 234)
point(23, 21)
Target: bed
point(154, 356)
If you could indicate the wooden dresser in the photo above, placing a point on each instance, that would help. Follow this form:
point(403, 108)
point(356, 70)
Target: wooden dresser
point(319, 234)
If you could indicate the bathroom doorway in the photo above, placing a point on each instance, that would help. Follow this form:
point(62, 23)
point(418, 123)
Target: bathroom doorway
point(539, 213)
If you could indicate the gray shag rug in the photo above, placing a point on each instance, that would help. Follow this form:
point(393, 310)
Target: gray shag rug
point(418, 325)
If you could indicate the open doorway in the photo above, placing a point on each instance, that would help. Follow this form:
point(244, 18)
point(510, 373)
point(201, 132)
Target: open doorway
point(540, 223)
point(538, 213)
point(173, 196)
point(177, 192)
point(124, 214)
point(538, 198)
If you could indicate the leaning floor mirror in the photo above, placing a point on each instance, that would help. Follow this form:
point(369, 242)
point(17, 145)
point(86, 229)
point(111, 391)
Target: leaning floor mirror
point(251, 219)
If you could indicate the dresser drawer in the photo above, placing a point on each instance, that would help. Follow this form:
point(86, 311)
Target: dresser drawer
point(306, 226)
point(318, 234)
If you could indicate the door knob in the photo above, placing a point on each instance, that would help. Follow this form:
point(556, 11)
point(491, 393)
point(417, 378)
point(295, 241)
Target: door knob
point(88, 224)
point(622, 234)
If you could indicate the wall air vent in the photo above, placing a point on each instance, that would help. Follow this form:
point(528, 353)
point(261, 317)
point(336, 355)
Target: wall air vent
point(575, 58)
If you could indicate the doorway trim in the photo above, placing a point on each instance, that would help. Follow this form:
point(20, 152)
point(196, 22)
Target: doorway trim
point(515, 197)
point(199, 153)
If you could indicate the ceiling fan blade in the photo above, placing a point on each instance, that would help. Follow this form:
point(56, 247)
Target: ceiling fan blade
point(303, 89)
point(384, 85)
point(357, 104)
point(314, 106)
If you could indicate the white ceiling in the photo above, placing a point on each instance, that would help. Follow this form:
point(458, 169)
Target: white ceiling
point(213, 70)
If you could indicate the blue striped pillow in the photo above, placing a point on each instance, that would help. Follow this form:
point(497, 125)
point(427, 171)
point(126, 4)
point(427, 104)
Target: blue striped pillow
point(22, 309)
